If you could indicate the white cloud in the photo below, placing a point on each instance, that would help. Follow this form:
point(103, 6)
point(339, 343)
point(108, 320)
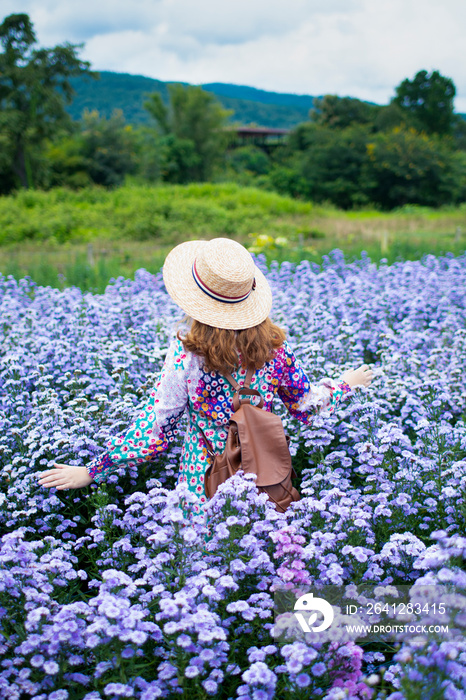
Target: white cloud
point(347, 47)
point(56, 21)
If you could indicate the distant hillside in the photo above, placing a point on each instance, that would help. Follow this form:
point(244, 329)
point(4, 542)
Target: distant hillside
point(242, 92)
point(127, 92)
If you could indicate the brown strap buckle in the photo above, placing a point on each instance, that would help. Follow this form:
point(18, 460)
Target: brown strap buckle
point(237, 398)
point(247, 380)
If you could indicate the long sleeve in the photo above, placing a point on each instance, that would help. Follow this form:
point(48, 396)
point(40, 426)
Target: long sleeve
point(155, 426)
point(302, 398)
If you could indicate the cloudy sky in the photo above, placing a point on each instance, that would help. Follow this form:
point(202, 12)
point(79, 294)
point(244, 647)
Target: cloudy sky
point(362, 48)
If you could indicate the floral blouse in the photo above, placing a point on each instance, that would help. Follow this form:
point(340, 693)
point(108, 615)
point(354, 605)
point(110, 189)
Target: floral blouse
point(184, 385)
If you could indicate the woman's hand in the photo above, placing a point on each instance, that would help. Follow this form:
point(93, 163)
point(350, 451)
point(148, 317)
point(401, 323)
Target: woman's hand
point(357, 377)
point(64, 476)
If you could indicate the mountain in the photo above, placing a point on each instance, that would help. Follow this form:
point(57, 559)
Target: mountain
point(242, 92)
point(128, 92)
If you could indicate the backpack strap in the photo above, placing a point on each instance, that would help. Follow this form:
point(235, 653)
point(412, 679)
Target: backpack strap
point(245, 390)
point(208, 444)
point(236, 399)
point(230, 379)
point(247, 379)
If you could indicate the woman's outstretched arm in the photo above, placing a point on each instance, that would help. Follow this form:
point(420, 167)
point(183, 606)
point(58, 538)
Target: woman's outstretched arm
point(304, 399)
point(150, 433)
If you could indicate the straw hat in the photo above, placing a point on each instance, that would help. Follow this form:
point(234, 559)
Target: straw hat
point(216, 282)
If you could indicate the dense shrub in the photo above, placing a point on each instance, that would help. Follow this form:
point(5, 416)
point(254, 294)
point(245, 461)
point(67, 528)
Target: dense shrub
point(355, 166)
point(164, 214)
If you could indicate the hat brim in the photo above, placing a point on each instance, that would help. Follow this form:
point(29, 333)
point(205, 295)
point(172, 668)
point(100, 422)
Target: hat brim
point(181, 286)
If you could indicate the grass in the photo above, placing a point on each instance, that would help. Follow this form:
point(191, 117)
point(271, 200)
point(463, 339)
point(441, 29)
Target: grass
point(88, 266)
point(62, 238)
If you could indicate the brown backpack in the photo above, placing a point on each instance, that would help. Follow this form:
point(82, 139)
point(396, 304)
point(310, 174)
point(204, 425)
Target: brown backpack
point(256, 443)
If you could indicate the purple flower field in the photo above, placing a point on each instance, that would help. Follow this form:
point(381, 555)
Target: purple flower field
point(111, 592)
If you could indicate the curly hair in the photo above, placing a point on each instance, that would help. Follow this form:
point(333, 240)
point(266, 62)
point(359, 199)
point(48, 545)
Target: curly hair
point(220, 347)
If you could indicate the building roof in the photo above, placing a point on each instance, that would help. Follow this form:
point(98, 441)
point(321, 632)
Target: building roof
point(258, 131)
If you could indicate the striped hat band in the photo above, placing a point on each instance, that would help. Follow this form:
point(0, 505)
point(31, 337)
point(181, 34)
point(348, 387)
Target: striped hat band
point(216, 295)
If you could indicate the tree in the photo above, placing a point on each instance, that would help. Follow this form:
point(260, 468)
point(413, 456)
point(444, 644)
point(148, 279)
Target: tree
point(355, 166)
point(330, 163)
point(249, 159)
point(406, 167)
point(389, 117)
point(34, 89)
point(340, 112)
point(428, 101)
point(459, 132)
point(108, 146)
point(192, 124)
point(102, 151)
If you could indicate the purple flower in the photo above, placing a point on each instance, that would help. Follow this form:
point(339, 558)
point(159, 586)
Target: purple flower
point(120, 690)
point(191, 671)
point(294, 666)
point(151, 693)
point(37, 660)
point(51, 667)
point(128, 653)
point(210, 686)
point(166, 671)
point(259, 674)
point(318, 669)
point(302, 680)
point(206, 655)
point(59, 695)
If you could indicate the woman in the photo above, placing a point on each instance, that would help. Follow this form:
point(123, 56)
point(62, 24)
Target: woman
point(228, 300)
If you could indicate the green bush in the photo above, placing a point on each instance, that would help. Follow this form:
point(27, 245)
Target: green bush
point(357, 167)
point(250, 159)
point(405, 167)
point(166, 213)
